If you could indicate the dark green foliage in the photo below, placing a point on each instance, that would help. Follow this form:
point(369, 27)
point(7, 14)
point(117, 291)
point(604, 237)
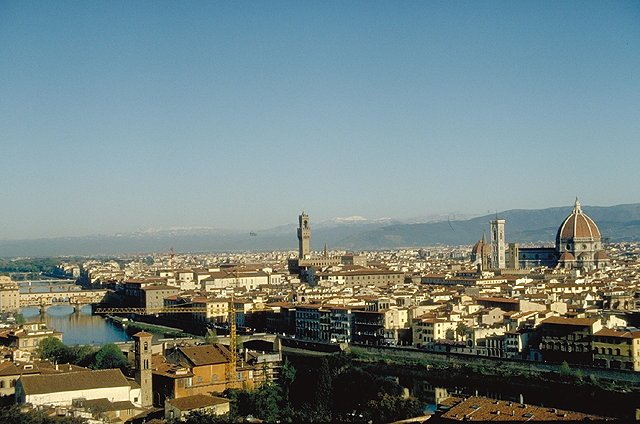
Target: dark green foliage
point(83, 356)
point(324, 392)
point(263, 403)
point(462, 330)
point(387, 408)
point(336, 389)
point(110, 356)
point(565, 370)
point(287, 377)
point(211, 337)
point(53, 349)
point(267, 401)
point(36, 265)
point(13, 415)
point(328, 389)
point(450, 334)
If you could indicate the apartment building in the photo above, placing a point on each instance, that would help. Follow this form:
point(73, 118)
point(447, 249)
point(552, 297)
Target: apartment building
point(617, 349)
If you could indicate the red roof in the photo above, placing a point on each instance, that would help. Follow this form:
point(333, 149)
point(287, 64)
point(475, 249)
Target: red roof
point(570, 321)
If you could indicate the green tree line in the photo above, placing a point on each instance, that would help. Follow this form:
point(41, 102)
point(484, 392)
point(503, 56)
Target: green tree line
point(331, 389)
point(107, 356)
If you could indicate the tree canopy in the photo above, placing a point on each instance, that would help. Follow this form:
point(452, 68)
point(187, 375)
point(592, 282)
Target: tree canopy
point(53, 349)
point(110, 356)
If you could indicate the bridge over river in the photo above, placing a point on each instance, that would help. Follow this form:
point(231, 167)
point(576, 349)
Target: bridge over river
point(76, 298)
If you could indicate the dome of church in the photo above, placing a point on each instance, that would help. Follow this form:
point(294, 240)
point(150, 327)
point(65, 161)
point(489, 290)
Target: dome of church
point(478, 247)
point(601, 255)
point(566, 257)
point(578, 226)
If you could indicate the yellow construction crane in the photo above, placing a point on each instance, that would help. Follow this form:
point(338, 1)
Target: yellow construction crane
point(233, 338)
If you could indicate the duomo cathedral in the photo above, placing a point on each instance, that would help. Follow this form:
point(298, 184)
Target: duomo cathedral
point(578, 245)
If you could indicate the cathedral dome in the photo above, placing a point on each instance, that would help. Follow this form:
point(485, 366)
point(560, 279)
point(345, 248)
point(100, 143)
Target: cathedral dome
point(578, 226)
point(566, 257)
point(478, 247)
point(601, 255)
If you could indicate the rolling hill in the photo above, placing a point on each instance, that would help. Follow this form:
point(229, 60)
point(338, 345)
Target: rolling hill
point(617, 223)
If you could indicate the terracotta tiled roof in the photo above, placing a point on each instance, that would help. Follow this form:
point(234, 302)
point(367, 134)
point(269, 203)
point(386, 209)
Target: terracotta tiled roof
point(206, 354)
point(477, 408)
point(197, 401)
point(607, 332)
point(578, 225)
point(570, 321)
point(567, 256)
point(103, 405)
point(601, 255)
point(497, 299)
point(73, 381)
point(160, 287)
point(37, 367)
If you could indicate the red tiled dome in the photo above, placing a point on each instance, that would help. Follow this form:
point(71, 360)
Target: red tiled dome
point(601, 255)
point(566, 257)
point(578, 225)
point(477, 248)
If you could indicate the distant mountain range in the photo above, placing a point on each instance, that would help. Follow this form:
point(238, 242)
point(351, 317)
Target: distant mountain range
point(617, 223)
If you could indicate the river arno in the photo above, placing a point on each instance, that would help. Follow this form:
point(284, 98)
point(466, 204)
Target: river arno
point(78, 327)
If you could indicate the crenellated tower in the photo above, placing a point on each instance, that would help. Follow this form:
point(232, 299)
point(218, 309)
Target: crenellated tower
point(304, 236)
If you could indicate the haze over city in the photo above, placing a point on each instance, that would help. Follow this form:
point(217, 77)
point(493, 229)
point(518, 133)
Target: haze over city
point(129, 116)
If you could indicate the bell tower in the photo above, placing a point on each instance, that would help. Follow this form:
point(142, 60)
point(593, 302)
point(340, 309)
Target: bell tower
point(498, 244)
point(143, 367)
point(304, 236)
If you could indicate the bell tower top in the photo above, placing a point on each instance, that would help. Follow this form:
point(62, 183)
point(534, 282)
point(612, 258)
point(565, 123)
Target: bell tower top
point(143, 367)
point(304, 236)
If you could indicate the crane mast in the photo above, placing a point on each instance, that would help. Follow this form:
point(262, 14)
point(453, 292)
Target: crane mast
point(233, 337)
point(233, 343)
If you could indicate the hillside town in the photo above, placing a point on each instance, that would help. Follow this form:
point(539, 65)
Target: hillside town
point(575, 303)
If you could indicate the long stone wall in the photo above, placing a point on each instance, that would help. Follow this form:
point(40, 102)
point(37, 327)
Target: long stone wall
point(452, 359)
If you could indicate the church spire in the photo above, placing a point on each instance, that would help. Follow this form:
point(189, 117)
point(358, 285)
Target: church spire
point(576, 206)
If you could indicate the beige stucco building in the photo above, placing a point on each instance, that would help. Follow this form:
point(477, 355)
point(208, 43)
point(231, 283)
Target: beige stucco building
point(617, 349)
point(28, 336)
point(64, 389)
point(9, 295)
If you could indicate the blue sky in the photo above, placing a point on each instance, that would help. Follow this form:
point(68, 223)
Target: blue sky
point(121, 116)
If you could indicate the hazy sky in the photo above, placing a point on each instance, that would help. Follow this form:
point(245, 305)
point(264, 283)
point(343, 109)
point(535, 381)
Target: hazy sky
point(121, 116)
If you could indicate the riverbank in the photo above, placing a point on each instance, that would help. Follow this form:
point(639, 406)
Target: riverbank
point(432, 383)
point(616, 380)
point(553, 385)
point(132, 327)
point(570, 390)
